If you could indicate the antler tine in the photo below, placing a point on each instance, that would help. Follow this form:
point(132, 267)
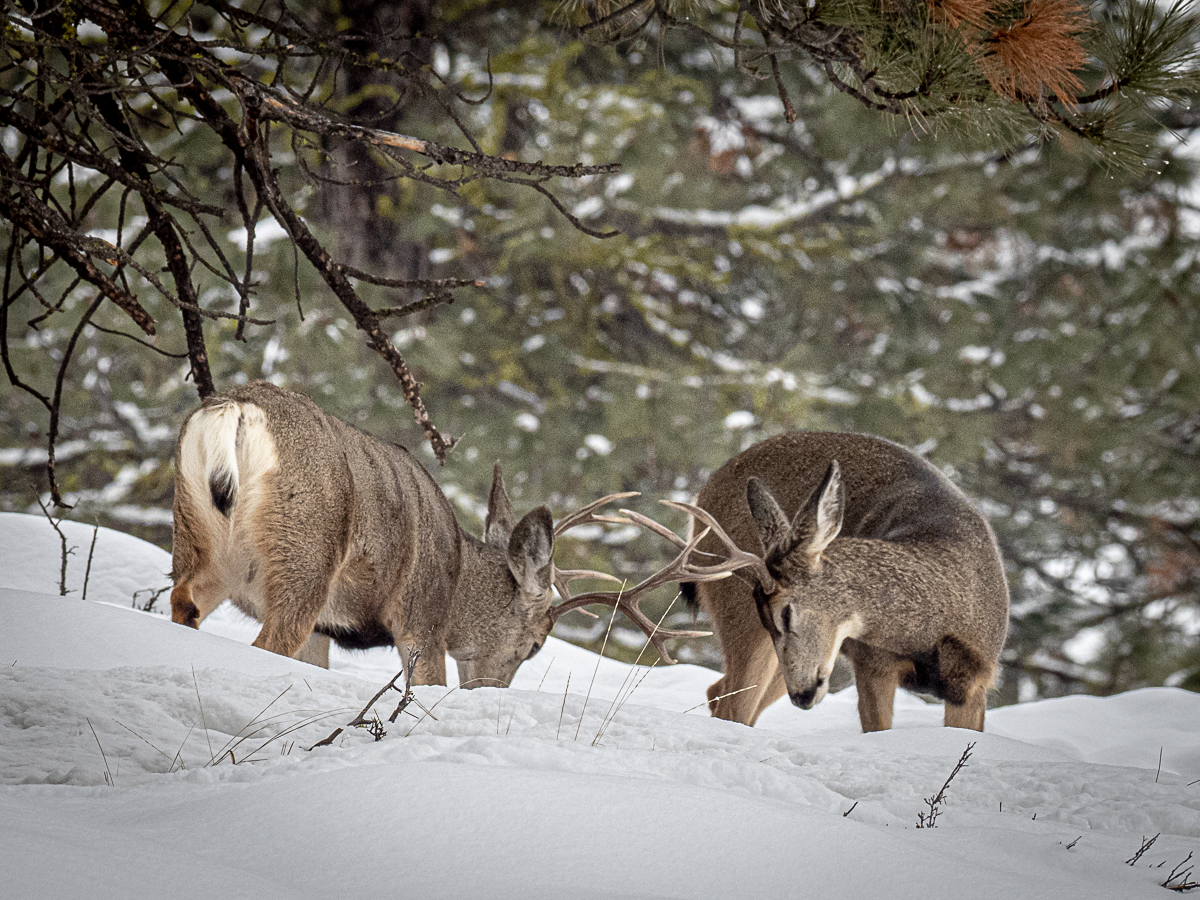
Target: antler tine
point(738, 558)
point(572, 574)
point(584, 515)
point(657, 527)
point(663, 531)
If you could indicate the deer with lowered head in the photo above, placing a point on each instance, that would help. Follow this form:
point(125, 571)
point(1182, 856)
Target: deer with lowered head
point(315, 528)
point(847, 543)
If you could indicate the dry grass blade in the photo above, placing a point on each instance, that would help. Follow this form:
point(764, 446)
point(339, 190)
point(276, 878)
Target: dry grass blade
point(207, 736)
point(715, 699)
point(619, 700)
point(108, 775)
point(237, 735)
point(309, 720)
point(147, 743)
point(178, 758)
point(540, 683)
point(429, 712)
point(599, 659)
point(564, 707)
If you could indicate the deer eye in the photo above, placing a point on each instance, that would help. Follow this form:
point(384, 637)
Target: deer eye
point(785, 617)
point(533, 651)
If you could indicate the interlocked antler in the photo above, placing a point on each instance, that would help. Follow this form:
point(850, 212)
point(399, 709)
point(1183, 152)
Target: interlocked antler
point(733, 564)
point(679, 569)
point(586, 516)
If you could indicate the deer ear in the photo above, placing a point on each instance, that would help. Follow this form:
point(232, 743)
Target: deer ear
point(530, 550)
point(773, 527)
point(498, 526)
point(820, 519)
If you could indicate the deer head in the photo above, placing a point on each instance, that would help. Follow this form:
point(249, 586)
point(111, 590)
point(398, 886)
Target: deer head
point(798, 603)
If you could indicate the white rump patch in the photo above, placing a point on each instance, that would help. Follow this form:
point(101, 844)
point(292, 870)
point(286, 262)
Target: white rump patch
point(228, 438)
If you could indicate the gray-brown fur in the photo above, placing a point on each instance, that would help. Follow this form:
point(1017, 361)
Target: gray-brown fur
point(350, 536)
point(911, 559)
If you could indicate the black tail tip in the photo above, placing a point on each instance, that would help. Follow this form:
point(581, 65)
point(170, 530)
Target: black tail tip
point(223, 491)
point(688, 589)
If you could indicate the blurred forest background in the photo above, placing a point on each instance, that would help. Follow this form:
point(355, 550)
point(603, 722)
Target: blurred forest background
point(1026, 318)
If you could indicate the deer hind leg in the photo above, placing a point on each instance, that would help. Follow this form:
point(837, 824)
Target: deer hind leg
point(298, 572)
point(315, 651)
point(877, 673)
point(965, 682)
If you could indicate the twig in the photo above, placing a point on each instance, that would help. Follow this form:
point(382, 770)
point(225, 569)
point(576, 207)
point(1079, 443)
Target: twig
point(87, 573)
point(410, 665)
point(938, 800)
point(154, 593)
point(1146, 845)
point(850, 810)
point(1074, 842)
point(1159, 770)
point(1183, 884)
point(62, 574)
point(374, 726)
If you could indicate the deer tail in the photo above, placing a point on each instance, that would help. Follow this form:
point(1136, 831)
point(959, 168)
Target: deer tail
point(208, 454)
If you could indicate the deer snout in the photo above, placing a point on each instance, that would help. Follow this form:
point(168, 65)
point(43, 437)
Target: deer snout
point(809, 697)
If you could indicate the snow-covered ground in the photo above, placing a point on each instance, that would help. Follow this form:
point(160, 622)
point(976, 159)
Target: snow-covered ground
point(115, 780)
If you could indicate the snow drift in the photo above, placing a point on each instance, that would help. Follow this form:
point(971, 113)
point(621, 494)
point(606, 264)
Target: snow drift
point(117, 780)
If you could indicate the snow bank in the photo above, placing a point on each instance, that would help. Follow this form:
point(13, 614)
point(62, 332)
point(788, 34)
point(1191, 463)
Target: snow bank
point(122, 565)
point(117, 780)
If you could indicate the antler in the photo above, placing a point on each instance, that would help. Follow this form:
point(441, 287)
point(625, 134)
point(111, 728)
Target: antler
point(586, 516)
point(679, 569)
point(738, 558)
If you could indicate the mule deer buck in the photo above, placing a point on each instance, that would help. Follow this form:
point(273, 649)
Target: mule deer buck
point(306, 523)
point(883, 560)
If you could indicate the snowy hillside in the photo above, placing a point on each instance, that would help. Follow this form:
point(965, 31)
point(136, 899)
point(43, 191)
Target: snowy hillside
point(116, 780)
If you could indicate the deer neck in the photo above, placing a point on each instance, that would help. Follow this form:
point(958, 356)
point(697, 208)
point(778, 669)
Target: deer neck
point(484, 587)
point(884, 582)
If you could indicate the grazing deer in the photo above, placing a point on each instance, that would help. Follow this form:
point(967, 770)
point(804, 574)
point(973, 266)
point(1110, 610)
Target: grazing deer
point(884, 560)
point(306, 523)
